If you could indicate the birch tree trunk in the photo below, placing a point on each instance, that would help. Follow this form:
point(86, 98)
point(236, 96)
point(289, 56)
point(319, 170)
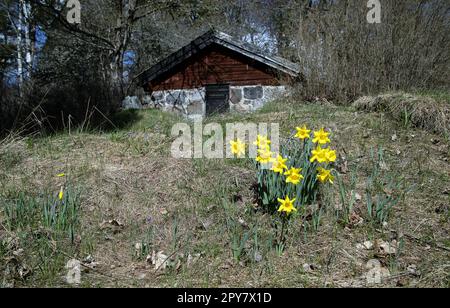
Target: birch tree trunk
point(19, 48)
point(28, 43)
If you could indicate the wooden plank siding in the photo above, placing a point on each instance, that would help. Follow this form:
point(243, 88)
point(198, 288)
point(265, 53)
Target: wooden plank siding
point(216, 65)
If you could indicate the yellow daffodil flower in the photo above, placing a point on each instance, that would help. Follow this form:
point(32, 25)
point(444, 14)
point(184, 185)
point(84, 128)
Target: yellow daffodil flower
point(293, 176)
point(262, 142)
point(279, 164)
point(287, 205)
point(264, 156)
point(303, 133)
point(319, 155)
point(61, 194)
point(331, 155)
point(61, 175)
point(237, 147)
point(321, 137)
point(325, 175)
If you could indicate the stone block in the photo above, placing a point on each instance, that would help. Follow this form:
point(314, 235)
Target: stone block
point(235, 95)
point(253, 92)
point(195, 107)
point(131, 102)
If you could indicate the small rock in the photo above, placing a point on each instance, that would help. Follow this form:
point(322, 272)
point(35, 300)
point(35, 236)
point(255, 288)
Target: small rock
point(376, 272)
point(88, 260)
point(308, 268)
point(394, 137)
point(73, 276)
point(385, 248)
point(412, 269)
point(368, 245)
point(257, 256)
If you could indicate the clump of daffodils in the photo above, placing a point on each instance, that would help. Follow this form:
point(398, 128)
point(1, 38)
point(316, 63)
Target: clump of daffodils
point(289, 180)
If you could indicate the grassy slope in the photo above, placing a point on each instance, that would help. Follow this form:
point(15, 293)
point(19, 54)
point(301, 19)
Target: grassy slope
point(186, 207)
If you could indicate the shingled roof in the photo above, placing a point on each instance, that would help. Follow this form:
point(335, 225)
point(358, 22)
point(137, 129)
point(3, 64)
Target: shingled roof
point(225, 40)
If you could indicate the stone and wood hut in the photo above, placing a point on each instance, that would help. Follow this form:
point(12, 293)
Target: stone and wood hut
point(216, 73)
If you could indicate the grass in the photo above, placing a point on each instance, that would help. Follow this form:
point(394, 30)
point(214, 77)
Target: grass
point(127, 190)
point(426, 111)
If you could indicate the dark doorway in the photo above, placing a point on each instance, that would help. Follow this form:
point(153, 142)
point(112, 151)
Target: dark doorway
point(217, 98)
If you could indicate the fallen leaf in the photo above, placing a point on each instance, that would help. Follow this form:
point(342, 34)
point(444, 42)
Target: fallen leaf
point(367, 245)
point(111, 224)
point(385, 248)
point(191, 259)
point(356, 220)
point(159, 260)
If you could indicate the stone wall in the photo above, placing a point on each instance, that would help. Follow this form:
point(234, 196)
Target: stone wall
point(191, 103)
point(251, 98)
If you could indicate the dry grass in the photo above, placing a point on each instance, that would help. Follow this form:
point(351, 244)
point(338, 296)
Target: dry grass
point(184, 207)
point(421, 111)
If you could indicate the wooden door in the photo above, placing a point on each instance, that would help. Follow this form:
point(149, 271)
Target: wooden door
point(217, 98)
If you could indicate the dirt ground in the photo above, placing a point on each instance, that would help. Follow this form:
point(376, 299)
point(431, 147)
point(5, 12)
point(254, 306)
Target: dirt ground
point(138, 206)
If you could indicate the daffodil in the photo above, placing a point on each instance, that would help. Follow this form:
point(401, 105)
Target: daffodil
point(237, 147)
point(264, 156)
point(319, 155)
point(331, 155)
point(321, 137)
point(262, 142)
point(287, 205)
point(293, 176)
point(61, 175)
point(279, 164)
point(61, 194)
point(325, 175)
point(303, 133)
